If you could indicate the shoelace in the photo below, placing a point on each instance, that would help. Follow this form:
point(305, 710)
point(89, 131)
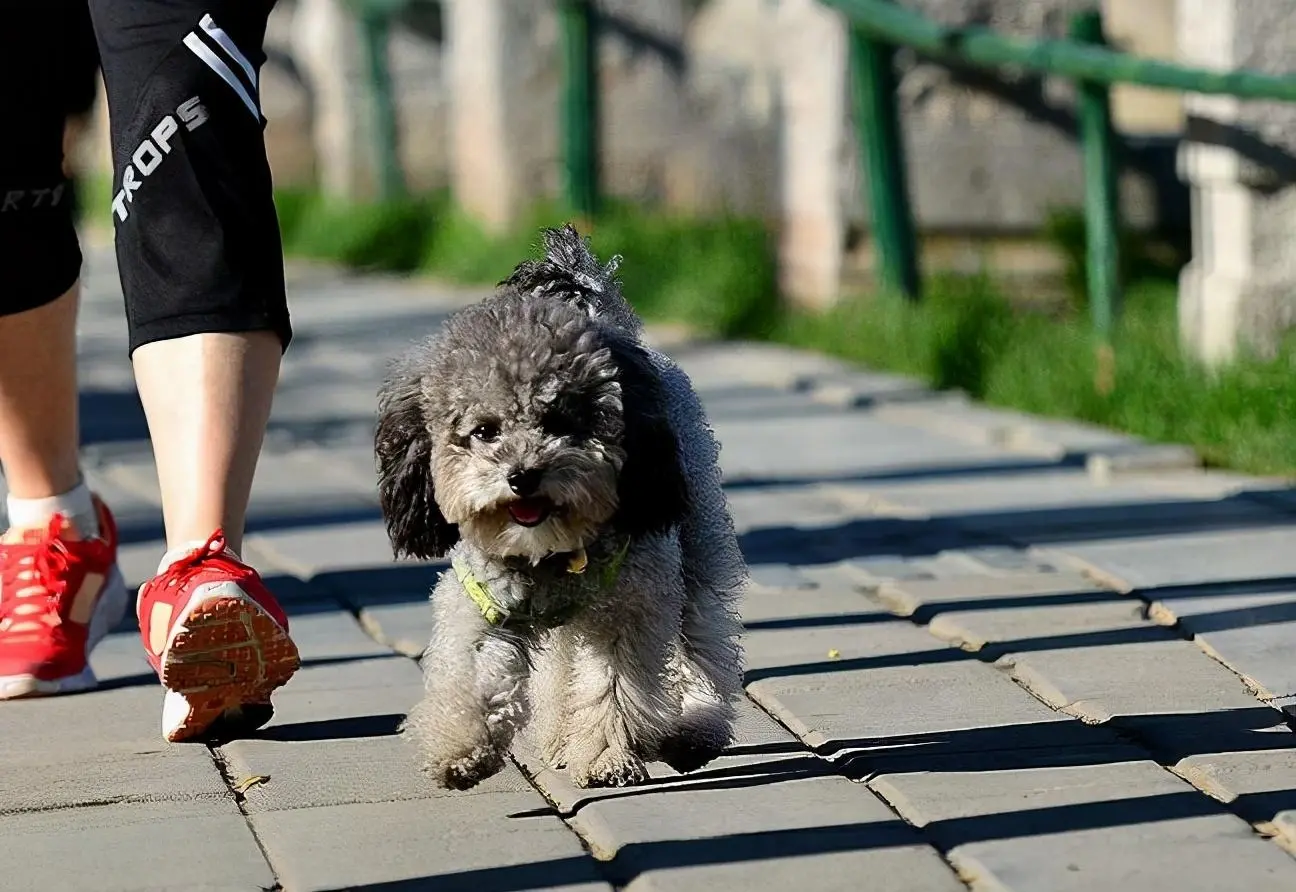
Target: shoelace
point(212, 552)
point(34, 578)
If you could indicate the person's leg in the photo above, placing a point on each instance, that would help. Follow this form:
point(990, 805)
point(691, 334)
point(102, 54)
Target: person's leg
point(207, 398)
point(202, 272)
point(38, 394)
point(59, 590)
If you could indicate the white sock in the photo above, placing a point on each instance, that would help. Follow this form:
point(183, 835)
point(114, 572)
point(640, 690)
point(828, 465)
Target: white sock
point(186, 548)
point(75, 504)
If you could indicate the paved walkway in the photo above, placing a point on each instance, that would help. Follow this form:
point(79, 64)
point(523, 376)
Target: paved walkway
point(984, 649)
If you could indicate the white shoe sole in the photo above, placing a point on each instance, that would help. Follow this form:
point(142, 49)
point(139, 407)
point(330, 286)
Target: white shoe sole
point(224, 653)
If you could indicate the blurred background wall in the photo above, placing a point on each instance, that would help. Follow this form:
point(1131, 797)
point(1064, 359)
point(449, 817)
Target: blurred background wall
point(691, 109)
point(713, 106)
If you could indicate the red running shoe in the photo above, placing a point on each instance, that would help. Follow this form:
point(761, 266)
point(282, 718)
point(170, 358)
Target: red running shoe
point(217, 639)
point(59, 596)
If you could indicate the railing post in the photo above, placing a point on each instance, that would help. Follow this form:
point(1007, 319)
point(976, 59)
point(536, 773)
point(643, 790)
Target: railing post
point(877, 122)
point(375, 28)
point(1102, 203)
point(580, 112)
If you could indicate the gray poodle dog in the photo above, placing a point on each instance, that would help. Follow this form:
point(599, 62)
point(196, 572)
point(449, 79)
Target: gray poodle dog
point(571, 475)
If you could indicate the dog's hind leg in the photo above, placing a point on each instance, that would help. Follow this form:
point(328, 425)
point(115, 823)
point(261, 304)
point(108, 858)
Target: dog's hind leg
point(710, 681)
point(714, 571)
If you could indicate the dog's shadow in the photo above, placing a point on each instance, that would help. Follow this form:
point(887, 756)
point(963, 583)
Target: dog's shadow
point(791, 761)
point(362, 726)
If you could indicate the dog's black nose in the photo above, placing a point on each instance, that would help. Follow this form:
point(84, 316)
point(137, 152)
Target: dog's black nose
point(525, 483)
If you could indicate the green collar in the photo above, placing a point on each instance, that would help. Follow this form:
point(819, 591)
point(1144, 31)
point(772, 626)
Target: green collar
point(497, 615)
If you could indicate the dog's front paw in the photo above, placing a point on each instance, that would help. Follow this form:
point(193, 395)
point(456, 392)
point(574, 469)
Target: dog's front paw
point(466, 771)
point(611, 768)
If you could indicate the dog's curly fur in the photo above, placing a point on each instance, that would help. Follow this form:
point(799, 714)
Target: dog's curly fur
point(550, 376)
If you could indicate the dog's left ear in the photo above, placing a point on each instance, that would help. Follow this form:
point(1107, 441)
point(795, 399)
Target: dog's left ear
point(403, 447)
point(651, 490)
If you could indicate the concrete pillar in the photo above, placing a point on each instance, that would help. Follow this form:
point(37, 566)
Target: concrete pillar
point(326, 46)
point(812, 101)
point(1145, 28)
point(493, 59)
point(1239, 158)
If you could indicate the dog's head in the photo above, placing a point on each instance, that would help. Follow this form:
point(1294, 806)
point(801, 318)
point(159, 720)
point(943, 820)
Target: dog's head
point(526, 427)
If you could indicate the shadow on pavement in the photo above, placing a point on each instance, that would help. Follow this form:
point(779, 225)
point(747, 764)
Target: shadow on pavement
point(111, 416)
point(905, 537)
point(634, 860)
point(135, 530)
point(333, 729)
point(949, 654)
point(991, 467)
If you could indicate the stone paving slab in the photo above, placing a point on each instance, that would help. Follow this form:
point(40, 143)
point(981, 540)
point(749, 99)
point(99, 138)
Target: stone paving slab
point(465, 844)
point(124, 718)
point(110, 773)
point(1090, 653)
point(1258, 784)
point(1118, 825)
point(1139, 678)
point(712, 365)
point(1002, 596)
point(1201, 576)
point(1033, 435)
point(278, 492)
point(865, 389)
point(1129, 522)
point(841, 447)
point(776, 506)
point(745, 403)
point(770, 816)
point(1210, 557)
point(883, 522)
point(902, 690)
point(1250, 625)
point(310, 551)
point(1046, 487)
point(1081, 650)
point(998, 630)
point(129, 847)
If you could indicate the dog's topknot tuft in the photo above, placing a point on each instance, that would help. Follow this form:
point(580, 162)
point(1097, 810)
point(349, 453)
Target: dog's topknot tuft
point(569, 270)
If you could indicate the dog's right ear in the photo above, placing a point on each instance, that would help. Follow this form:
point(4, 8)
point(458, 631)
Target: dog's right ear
point(403, 447)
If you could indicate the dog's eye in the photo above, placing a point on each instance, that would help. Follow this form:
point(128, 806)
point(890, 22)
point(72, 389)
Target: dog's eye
point(486, 432)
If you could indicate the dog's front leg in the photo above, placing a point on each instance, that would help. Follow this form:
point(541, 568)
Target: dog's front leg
point(621, 699)
point(474, 693)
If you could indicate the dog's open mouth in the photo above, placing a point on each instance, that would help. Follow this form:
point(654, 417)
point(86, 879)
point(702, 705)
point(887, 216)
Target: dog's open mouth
point(530, 512)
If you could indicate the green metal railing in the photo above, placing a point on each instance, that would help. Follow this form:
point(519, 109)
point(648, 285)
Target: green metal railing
point(374, 18)
point(878, 28)
point(580, 105)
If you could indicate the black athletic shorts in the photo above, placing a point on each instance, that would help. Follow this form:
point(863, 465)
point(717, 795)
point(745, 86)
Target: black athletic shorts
point(197, 236)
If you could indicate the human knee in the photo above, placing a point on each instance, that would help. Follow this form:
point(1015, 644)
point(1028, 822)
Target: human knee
point(197, 235)
point(154, 145)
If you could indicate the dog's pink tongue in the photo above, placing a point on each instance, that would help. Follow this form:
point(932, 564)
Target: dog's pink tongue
point(527, 510)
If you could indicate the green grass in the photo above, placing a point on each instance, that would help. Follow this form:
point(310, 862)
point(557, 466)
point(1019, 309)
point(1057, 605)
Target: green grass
point(719, 276)
point(964, 335)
